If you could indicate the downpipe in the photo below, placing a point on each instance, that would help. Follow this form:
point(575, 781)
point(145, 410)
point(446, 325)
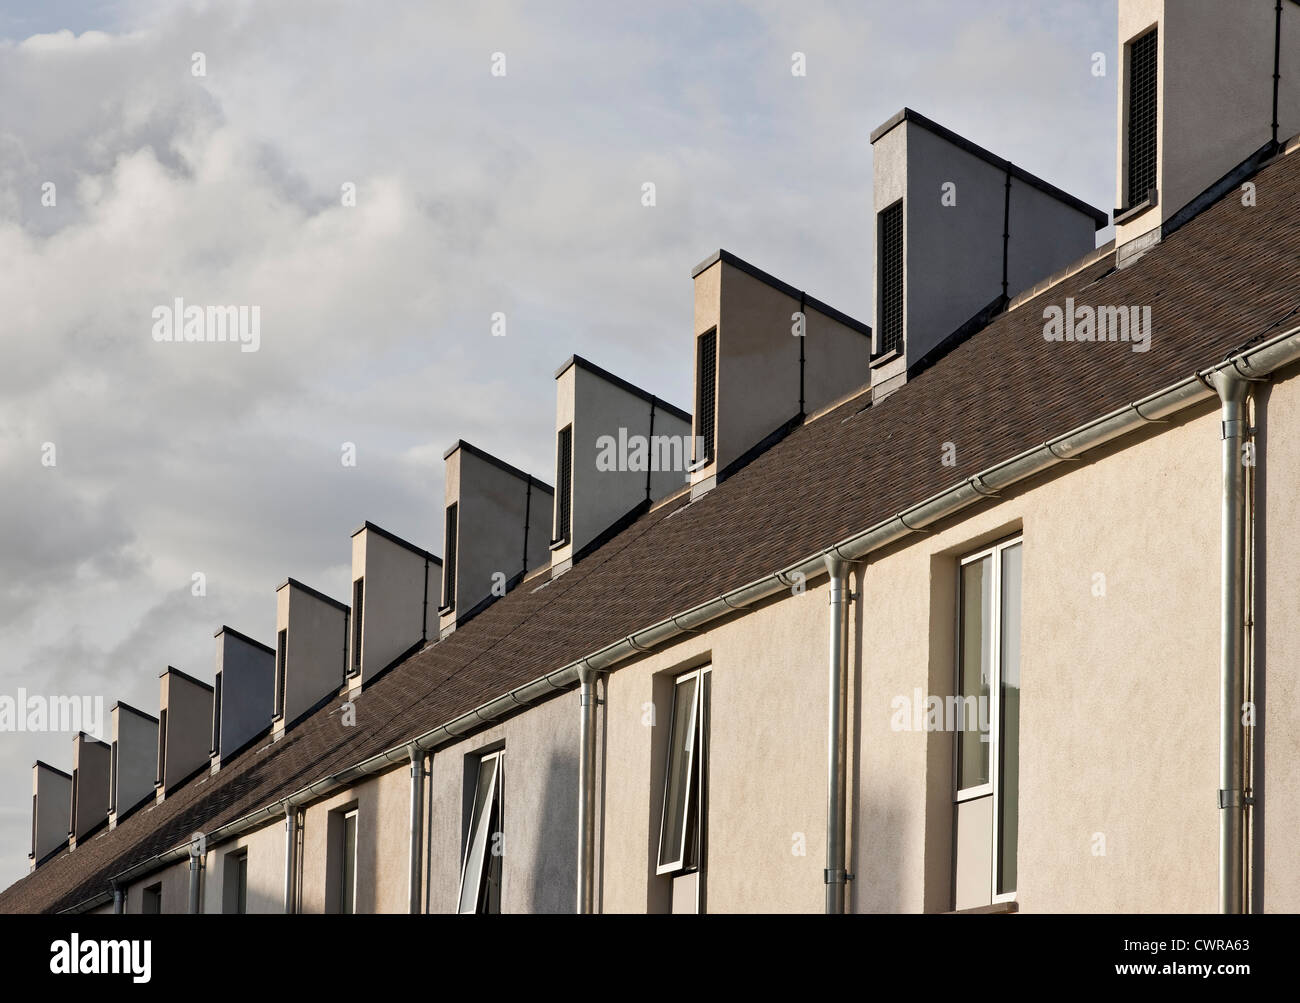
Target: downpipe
point(587, 703)
point(836, 875)
point(417, 827)
point(196, 873)
point(1234, 795)
point(290, 854)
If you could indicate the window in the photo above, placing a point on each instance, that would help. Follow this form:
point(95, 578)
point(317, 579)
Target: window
point(358, 613)
point(682, 829)
point(281, 657)
point(480, 881)
point(1143, 119)
point(988, 726)
point(162, 746)
point(449, 560)
point(564, 484)
point(889, 267)
point(234, 883)
point(341, 860)
point(216, 718)
point(706, 395)
point(348, 874)
point(151, 904)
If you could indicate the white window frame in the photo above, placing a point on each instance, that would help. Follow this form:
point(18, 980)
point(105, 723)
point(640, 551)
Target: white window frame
point(993, 787)
point(350, 814)
point(478, 839)
point(697, 763)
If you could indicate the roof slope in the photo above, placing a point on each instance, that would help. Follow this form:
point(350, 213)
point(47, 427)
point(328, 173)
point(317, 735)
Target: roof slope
point(1226, 278)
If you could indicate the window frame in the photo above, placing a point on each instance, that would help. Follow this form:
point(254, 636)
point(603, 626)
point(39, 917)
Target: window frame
point(993, 787)
point(694, 794)
point(348, 855)
point(480, 822)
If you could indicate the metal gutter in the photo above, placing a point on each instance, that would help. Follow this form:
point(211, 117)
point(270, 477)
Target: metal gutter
point(1255, 362)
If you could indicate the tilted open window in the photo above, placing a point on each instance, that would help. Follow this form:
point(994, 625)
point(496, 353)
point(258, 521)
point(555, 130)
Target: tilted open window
point(682, 830)
point(480, 881)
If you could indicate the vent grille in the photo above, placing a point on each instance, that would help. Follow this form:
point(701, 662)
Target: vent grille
point(72, 815)
point(1142, 117)
point(112, 778)
point(449, 560)
point(890, 248)
point(564, 485)
point(216, 718)
point(358, 615)
point(281, 656)
point(162, 746)
point(706, 396)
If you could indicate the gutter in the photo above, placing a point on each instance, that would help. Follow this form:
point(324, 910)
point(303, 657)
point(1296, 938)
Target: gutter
point(1254, 363)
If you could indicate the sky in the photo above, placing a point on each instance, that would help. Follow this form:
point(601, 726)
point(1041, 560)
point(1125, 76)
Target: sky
point(128, 466)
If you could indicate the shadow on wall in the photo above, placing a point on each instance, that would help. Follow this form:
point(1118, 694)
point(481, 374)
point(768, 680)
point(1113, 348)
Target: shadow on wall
point(555, 861)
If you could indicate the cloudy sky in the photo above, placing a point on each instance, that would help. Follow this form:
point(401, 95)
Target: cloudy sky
point(475, 194)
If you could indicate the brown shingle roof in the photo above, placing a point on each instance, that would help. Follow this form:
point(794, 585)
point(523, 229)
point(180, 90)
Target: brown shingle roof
point(1220, 281)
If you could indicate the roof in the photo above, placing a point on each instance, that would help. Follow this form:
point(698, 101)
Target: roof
point(1222, 280)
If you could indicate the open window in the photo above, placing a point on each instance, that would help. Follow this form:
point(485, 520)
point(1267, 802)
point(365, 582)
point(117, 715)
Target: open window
point(151, 900)
point(480, 881)
point(683, 825)
point(986, 788)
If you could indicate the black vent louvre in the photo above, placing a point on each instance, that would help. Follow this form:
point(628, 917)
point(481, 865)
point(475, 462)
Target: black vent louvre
point(706, 396)
point(449, 560)
point(162, 745)
point(281, 655)
point(890, 267)
point(216, 717)
point(72, 815)
point(112, 778)
point(1142, 116)
point(564, 485)
point(358, 620)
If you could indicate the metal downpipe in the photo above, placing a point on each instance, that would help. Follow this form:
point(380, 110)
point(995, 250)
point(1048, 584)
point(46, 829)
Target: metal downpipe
point(835, 875)
point(196, 871)
point(587, 791)
point(290, 854)
point(1233, 390)
point(417, 827)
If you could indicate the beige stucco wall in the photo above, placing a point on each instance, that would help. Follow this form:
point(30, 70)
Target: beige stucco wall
point(1119, 708)
point(539, 866)
point(767, 761)
point(265, 890)
point(383, 806)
